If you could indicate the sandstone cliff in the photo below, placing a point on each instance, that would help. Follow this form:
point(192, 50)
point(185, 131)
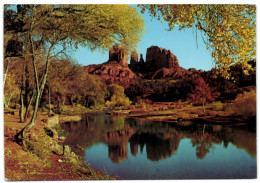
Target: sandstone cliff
point(112, 72)
point(160, 57)
point(119, 54)
point(160, 63)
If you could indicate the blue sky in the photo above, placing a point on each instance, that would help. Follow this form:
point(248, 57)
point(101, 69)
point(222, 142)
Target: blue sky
point(180, 43)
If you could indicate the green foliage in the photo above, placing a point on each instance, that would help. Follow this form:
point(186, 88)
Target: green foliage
point(96, 91)
point(245, 104)
point(95, 26)
point(68, 80)
point(117, 96)
point(68, 109)
point(229, 30)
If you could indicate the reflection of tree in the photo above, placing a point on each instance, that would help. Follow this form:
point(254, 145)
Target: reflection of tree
point(202, 149)
point(203, 141)
point(91, 129)
point(244, 140)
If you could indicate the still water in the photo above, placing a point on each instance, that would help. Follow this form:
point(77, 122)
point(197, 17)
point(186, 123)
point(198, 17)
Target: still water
point(137, 149)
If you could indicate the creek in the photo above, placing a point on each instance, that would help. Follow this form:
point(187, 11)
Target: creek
point(135, 149)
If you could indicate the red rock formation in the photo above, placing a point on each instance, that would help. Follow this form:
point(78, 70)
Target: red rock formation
point(160, 58)
point(176, 73)
point(141, 59)
point(119, 54)
point(134, 58)
point(112, 72)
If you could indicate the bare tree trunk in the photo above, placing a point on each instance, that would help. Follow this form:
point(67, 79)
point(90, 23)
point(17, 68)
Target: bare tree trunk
point(49, 100)
point(58, 106)
point(64, 100)
point(6, 104)
point(22, 100)
point(39, 91)
point(29, 105)
point(26, 88)
point(204, 110)
point(6, 70)
point(21, 108)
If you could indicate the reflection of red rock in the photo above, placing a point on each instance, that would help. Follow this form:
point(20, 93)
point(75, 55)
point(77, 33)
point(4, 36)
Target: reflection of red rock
point(158, 148)
point(117, 143)
point(118, 153)
point(134, 148)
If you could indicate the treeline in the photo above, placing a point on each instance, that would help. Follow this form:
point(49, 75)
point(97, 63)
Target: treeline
point(67, 84)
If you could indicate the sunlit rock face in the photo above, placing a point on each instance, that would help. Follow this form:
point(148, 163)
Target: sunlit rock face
point(160, 57)
point(119, 54)
point(115, 70)
point(159, 63)
point(112, 72)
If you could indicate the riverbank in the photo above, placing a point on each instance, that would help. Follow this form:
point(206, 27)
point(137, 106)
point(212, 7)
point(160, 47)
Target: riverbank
point(177, 112)
point(47, 158)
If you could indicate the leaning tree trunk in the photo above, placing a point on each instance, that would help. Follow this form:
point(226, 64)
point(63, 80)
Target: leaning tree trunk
point(20, 136)
point(6, 70)
point(6, 103)
point(26, 90)
point(29, 105)
point(49, 91)
point(22, 100)
point(21, 108)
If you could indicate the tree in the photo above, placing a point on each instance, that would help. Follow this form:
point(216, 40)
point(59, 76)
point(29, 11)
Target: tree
point(48, 30)
point(229, 30)
point(12, 45)
point(117, 96)
point(201, 94)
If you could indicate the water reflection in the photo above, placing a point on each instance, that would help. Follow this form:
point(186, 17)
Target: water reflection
point(129, 138)
point(161, 139)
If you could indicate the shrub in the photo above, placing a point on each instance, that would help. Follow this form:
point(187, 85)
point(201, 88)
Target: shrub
point(217, 106)
point(77, 109)
point(245, 104)
point(118, 97)
point(39, 144)
point(60, 131)
point(228, 107)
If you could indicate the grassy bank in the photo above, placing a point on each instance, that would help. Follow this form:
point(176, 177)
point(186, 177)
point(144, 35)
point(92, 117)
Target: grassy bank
point(46, 159)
